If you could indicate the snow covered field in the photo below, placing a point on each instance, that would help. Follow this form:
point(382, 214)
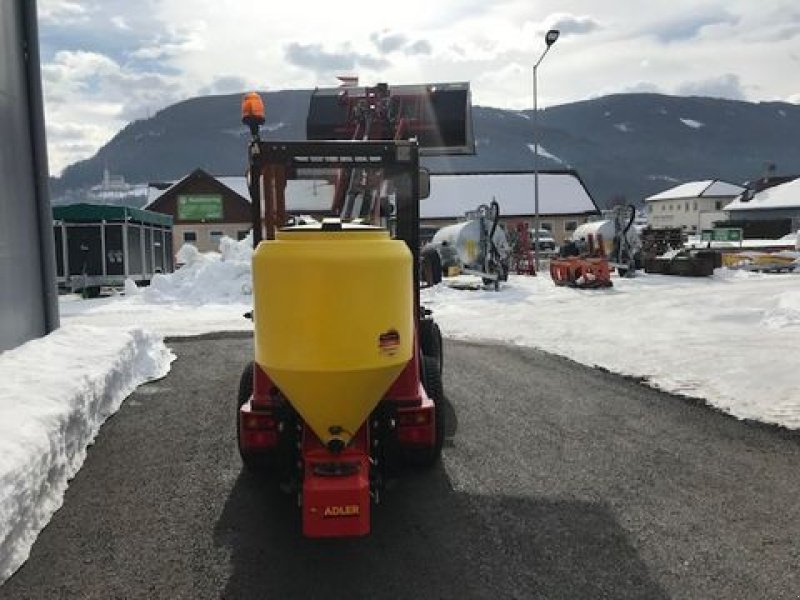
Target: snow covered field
point(730, 339)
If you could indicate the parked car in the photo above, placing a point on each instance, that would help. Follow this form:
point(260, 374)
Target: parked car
point(547, 244)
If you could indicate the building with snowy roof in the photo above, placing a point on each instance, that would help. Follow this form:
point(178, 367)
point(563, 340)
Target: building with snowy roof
point(691, 206)
point(204, 208)
point(778, 206)
point(564, 200)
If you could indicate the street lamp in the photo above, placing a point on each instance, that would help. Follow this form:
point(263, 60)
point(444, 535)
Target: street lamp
point(550, 38)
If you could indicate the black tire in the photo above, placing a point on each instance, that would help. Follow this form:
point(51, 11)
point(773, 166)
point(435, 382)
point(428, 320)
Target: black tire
point(430, 265)
point(253, 462)
point(432, 381)
point(91, 292)
point(430, 341)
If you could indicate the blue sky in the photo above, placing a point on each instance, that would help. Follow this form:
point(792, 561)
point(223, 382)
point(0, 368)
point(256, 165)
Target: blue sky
point(107, 62)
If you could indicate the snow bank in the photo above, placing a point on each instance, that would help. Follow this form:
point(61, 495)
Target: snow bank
point(210, 292)
point(210, 278)
point(57, 391)
point(730, 339)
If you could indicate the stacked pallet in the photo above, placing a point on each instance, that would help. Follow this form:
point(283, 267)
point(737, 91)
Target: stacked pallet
point(656, 242)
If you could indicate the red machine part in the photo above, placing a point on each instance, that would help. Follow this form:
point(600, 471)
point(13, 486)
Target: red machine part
point(336, 487)
point(587, 270)
point(522, 258)
point(258, 425)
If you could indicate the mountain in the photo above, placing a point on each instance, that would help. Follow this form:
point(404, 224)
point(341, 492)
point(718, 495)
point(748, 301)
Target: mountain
point(624, 145)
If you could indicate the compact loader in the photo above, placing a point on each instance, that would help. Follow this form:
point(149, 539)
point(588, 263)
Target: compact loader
point(346, 380)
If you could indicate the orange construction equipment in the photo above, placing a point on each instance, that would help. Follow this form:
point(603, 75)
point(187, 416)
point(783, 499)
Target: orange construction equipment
point(580, 272)
point(588, 267)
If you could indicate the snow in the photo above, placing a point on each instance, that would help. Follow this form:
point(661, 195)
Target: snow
point(662, 178)
point(453, 195)
point(730, 340)
point(692, 123)
point(543, 152)
point(57, 391)
point(623, 127)
point(211, 292)
point(714, 188)
point(784, 195)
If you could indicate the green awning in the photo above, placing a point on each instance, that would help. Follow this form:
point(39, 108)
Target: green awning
point(95, 213)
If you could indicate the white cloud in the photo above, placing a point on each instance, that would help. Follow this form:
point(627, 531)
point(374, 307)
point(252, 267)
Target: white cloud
point(724, 86)
point(569, 24)
point(120, 23)
point(89, 97)
point(174, 49)
point(61, 11)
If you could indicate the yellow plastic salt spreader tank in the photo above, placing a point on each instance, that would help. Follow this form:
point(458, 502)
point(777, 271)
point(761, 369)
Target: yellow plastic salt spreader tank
point(334, 327)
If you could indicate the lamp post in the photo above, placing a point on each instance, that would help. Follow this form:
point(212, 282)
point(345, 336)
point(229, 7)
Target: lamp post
point(550, 38)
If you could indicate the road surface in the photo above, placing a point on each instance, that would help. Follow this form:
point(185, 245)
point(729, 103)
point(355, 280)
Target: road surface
point(558, 481)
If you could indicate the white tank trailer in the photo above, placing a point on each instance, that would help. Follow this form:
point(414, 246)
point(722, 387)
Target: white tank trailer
point(478, 246)
point(620, 239)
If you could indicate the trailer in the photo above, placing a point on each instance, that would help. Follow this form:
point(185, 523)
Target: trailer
point(100, 245)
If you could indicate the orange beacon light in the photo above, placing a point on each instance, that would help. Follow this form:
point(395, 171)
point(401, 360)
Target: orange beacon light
point(253, 111)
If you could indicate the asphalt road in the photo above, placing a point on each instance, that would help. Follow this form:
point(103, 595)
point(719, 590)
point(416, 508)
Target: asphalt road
point(558, 481)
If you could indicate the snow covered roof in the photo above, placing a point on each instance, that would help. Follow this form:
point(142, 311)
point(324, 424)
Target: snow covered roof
point(709, 188)
point(235, 184)
point(453, 195)
point(785, 195)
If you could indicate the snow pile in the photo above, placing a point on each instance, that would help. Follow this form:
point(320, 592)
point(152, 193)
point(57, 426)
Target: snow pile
point(784, 313)
point(210, 292)
point(57, 391)
point(211, 278)
point(131, 289)
point(730, 339)
point(692, 123)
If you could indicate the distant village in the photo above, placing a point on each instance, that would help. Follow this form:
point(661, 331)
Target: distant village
point(767, 208)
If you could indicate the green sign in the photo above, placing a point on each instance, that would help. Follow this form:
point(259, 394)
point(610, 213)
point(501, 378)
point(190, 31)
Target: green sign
point(722, 234)
point(200, 207)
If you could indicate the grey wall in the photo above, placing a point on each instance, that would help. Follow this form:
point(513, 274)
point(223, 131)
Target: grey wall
point(775, 213)
point(28, 300)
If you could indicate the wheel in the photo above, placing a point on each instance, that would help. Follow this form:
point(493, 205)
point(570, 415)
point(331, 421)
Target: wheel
point(430, 341)
point(430, 265)
point(432, 381)
point(252, 462)
point(91, 292)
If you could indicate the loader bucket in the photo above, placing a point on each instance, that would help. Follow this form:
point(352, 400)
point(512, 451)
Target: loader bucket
point(438, 115)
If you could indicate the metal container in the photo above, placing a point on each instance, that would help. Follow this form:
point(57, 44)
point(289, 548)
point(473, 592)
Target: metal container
point(334, 321)
point(464, 239)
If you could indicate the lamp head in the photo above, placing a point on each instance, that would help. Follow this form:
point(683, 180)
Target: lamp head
point(551, 37)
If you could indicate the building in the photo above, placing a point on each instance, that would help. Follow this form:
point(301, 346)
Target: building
point(769, 213)
point(28, 294)
point(564, 201)
point(203, 208)
point(692, 206)
point(114, 189)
